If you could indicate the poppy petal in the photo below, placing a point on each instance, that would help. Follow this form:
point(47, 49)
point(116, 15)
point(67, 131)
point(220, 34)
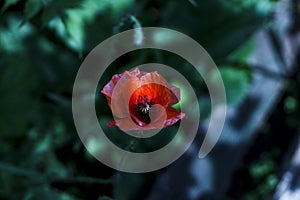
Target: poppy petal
point(173, 116)
point(135, 96)
point(175, 95)
point(121, 96)
point(109, 87)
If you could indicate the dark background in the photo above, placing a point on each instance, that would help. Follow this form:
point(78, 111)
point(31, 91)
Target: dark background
point(255, 44)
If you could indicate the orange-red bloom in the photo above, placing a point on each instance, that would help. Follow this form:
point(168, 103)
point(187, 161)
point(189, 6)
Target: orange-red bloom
point(133, 98)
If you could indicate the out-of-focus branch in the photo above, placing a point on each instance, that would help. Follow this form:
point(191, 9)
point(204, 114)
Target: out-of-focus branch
point(289, 186)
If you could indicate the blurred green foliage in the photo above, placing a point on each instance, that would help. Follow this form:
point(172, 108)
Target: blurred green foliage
point(42, 44)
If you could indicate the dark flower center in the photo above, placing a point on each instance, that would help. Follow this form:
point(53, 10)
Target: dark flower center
point(144, 108)
point(141, 107)
point(144, 104)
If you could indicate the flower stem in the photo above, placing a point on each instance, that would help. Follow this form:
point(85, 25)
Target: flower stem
point(131, 147)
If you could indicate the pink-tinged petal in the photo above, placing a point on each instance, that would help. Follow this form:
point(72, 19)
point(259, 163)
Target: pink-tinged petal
point(175, 95)
point(173, 116)
point(127, 124)
point(135, 72)
point(121, 96)
point(124, 124)
point(153, 77)
point(158, 117)
point(109, 87)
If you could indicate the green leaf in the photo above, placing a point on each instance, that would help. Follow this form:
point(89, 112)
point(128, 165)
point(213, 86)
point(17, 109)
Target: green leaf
point(32, 7)
point(236, 82)
point(58, 8)
point(75, 27)
point(220, 33)
point(8, 3)
point(242, 54)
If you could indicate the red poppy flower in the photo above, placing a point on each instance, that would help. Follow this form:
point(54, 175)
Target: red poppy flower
point(142, 101)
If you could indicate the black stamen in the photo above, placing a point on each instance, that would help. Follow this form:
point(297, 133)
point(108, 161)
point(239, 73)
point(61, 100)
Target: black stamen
point(144, 104)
